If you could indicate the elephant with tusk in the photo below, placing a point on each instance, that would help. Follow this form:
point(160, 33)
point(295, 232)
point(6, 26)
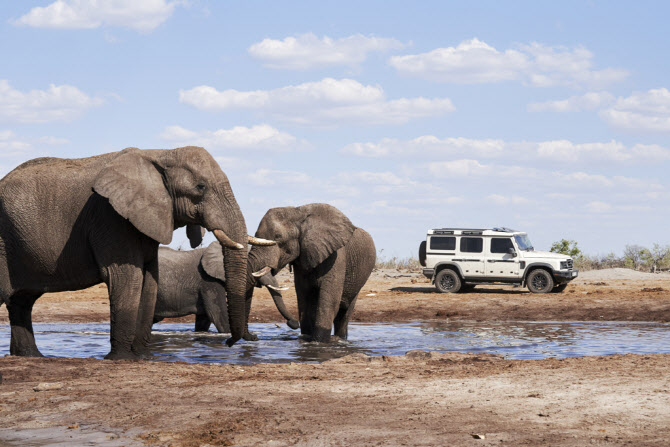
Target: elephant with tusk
point(193, 282)
point(331, 258)
point(67, 224)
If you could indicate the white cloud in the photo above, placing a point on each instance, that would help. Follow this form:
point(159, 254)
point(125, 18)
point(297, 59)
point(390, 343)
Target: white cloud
point(538, 179)
point(473, 61)
point(499, 199)
point(58, 103)
point(642, 111)
point(567, 151)
point(260, 136)
point(563, 151)
point(326, 102)
point(141, 15)
point(598, 207)
point(273, 177)
point(307, 51)
point(427, 144)
point(588, 101)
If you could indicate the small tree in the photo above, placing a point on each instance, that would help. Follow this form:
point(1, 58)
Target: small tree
point(634, 256)
point(566, 247)
point(657, 257)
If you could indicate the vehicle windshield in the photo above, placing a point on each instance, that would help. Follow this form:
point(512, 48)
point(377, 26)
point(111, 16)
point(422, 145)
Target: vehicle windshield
point(523, 242)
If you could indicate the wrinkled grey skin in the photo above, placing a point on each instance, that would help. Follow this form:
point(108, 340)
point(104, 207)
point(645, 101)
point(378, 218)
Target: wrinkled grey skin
point(67, 224)
point(331, 258)
point(193, 282)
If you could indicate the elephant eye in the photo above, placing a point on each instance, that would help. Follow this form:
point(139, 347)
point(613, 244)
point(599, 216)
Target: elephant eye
point(201, 187)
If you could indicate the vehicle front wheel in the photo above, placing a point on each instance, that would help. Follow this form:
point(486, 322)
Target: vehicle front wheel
point(448, 281)
point(540, 281)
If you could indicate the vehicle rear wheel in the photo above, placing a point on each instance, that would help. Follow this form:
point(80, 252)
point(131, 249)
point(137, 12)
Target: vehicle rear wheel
point(559, 288)
point(448, 281)
point(540, 281)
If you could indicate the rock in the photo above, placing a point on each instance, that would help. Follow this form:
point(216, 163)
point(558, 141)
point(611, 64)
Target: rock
point(49, 386)
point(476, 436)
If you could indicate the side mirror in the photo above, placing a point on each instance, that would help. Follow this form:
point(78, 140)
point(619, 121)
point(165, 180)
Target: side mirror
point(512, 252)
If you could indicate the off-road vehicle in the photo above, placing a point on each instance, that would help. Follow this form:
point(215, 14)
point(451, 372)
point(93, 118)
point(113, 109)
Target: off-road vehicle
point(457, 259)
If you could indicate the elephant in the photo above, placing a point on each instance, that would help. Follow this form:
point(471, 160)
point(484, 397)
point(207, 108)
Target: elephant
point(331, 260)
point(193, 282)
point(68, 224)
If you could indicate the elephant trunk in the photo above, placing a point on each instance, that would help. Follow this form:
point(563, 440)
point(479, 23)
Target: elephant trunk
point(235, 263)
point(270, 282)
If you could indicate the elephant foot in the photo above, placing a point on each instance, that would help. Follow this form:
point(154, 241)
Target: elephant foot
point(128, 355)
point(250, 336)
point(319, 335)
point(27, 352)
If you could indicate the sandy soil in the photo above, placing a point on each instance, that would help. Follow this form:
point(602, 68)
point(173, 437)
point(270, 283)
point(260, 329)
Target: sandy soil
point(416, 399)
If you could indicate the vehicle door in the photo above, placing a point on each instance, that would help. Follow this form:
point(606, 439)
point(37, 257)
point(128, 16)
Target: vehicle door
point(500, 263)
point(470, 256)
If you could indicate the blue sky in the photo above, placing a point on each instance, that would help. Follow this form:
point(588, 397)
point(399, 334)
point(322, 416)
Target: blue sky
point(549, 117)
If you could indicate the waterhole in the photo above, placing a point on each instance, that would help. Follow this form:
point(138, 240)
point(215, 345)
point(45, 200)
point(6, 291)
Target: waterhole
point(278, 344)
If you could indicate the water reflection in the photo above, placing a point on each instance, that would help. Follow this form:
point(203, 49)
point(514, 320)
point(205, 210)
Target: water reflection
point(525, 340)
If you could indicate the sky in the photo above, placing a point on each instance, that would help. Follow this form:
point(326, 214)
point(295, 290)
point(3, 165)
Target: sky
point(546, 117)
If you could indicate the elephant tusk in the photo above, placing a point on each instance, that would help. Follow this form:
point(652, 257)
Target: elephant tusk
point(227, 242)
point(260, 242)
point(278, 289)
point(262, 272)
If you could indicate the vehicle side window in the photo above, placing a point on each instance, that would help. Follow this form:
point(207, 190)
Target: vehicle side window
point(501, 244)
point(443, 243)
point(471, 244)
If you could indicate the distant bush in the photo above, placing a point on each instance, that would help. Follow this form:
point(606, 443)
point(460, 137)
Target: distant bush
point(410, 263)
point(634, 257)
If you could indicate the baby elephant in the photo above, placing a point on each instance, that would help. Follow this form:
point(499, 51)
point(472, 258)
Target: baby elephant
point(331, 258)
point(193, 282)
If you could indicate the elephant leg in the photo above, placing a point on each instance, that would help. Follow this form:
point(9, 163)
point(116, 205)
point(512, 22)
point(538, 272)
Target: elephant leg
point(124, 282)
point(307, 295)
point(146, 310)
point(342, 319)
point(213, 298)
point(202, 323)
point(331, 288)
point(20, 308)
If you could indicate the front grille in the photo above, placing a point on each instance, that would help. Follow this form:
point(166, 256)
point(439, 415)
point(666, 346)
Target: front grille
point(567, 265)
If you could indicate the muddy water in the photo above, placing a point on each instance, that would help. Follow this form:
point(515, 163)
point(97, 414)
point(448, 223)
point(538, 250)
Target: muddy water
point(277, 343)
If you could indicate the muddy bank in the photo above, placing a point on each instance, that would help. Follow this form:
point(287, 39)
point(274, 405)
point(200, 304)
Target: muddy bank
point(417, 399)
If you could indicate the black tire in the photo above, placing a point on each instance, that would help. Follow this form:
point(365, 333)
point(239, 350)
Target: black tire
point(448, 281)
point(422, 253)
point(559, 288)
point(540, 281)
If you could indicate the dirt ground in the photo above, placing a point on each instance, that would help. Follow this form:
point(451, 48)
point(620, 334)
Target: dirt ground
point(417, 399)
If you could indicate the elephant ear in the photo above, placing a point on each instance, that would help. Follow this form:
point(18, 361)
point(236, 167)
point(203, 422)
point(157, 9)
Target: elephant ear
point(324, 231)
point(135, 188)
point(195, 233)
point(212, 261)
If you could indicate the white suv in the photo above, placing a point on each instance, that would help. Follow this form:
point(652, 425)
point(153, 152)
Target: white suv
point(459, 258)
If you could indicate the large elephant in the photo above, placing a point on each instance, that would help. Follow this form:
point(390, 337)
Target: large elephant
point(331, 259)
point(193, 282)
point(67, 224)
